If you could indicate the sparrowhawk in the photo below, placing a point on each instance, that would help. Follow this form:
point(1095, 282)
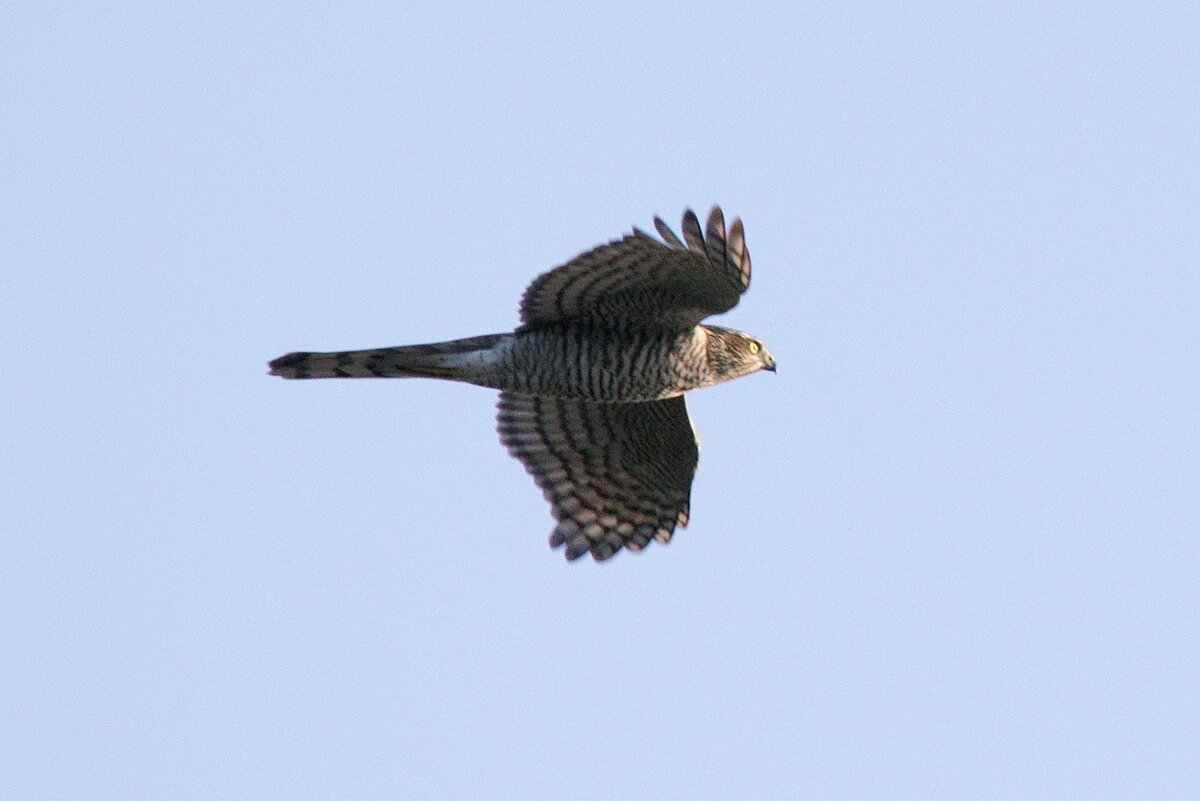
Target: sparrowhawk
point(591, 383)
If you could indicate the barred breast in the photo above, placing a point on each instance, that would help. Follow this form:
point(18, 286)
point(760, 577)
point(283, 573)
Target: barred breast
point(598, 364)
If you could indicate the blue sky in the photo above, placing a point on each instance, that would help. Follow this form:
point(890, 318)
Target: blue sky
point(949, 551)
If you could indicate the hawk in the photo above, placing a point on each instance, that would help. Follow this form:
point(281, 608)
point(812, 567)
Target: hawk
point(591, 383)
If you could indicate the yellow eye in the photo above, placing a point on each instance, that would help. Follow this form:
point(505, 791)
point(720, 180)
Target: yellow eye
point(754, 347)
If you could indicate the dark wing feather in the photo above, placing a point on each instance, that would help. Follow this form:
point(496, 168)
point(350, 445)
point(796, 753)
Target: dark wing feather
point(639, 282)
point(616, 474)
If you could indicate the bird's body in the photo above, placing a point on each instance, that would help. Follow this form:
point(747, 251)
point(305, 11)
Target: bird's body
point(560, 361)
point(591, 383)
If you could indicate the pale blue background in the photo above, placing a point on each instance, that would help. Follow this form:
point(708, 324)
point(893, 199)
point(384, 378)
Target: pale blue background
point(949, 551)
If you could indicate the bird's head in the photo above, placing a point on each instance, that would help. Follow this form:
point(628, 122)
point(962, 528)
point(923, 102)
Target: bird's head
point(733, 354)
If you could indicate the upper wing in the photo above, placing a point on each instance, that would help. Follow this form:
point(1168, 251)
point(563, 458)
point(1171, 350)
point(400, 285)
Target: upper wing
point(638, 282)
point(615, 474)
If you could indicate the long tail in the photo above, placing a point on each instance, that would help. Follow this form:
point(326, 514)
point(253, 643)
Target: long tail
point(451, 360)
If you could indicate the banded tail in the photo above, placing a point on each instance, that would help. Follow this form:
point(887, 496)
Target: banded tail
point(458, 359)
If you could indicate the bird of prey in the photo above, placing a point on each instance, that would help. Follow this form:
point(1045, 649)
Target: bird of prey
point(591, 383)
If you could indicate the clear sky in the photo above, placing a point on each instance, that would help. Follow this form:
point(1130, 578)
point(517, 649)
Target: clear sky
point(949, 551)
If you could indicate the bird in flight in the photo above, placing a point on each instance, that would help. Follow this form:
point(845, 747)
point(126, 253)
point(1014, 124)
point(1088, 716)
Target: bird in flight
point(591, 383)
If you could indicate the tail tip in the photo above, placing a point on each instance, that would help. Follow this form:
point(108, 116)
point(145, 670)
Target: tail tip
point(291, 365)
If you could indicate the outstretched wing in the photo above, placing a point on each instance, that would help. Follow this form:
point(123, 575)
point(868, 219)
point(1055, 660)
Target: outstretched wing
point(615, 474)
point(639, 282)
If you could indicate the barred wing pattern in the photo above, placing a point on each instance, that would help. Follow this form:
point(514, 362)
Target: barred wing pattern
point(638, 282)
point(616, 474)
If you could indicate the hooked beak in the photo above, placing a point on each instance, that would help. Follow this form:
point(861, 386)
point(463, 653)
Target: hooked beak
point(770, 365)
